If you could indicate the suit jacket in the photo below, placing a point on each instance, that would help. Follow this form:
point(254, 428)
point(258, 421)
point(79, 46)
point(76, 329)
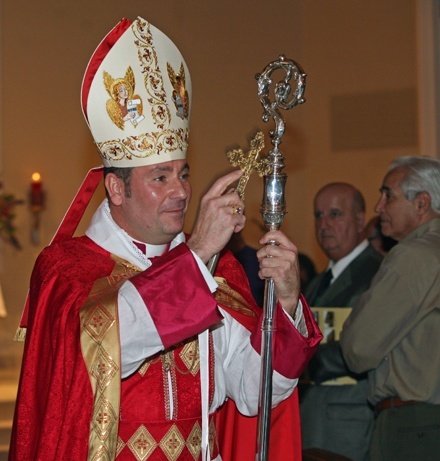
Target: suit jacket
point(338, 418)
point(351, 283)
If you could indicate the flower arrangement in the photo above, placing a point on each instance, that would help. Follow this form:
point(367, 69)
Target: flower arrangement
point(7, 216)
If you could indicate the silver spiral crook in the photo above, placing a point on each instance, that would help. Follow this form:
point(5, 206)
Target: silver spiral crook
point(285, 98)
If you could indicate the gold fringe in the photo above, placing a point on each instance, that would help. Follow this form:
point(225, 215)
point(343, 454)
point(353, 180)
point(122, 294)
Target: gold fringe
point(20, 335)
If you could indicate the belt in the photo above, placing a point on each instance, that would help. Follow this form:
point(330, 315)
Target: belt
point(392, 402)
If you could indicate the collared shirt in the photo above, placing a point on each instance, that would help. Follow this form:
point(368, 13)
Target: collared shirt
point(339, 266)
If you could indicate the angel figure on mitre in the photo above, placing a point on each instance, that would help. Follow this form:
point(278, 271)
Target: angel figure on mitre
point(180, 95)
point(123, 104)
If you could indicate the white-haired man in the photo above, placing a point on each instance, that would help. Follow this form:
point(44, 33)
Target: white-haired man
point(392, 332)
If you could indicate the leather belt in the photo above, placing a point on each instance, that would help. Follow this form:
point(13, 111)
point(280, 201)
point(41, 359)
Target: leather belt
point(392, 402)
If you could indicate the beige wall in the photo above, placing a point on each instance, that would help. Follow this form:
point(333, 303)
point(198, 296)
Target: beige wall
point(348, 48)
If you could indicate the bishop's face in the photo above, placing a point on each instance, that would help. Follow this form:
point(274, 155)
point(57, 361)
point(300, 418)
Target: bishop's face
point(155, 209)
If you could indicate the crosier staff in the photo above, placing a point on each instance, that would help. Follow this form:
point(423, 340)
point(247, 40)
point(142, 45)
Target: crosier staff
point(273, 210)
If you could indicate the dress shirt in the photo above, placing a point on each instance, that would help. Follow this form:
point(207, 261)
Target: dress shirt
point(339, 266)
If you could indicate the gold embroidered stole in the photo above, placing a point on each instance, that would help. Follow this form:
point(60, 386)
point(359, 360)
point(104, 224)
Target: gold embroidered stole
point(101, 351)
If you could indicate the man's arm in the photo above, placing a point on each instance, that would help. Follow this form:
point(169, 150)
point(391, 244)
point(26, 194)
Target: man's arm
point(162, 306)
point(383, 315)
point(329, 363)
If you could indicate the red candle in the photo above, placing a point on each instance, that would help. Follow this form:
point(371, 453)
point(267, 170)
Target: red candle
point(36, 191)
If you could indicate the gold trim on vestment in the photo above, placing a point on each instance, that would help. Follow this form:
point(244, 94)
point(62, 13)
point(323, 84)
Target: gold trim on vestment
point(228, 297)
point(101, 351)
point(20, 335)
point(143, 445)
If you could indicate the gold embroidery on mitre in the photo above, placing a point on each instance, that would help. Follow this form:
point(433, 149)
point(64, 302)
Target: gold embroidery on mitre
point(194, 441)
point(142, 444)
point(172, 443)
point(123, 105)
point(190, 356)
point(101, 351)
point(152, 74)
point(180, 95)
point(144, 145)
point(165, 139)
point(228, 297)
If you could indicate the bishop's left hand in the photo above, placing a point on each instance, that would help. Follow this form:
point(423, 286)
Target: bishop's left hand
point(280, 262)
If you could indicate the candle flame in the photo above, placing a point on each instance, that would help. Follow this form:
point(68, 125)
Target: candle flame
point(36, 177)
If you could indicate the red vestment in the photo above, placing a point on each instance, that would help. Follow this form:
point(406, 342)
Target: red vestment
point(56, 401)
point(57, 406)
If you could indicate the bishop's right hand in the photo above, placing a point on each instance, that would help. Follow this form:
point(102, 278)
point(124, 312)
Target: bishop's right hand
point(220, 215)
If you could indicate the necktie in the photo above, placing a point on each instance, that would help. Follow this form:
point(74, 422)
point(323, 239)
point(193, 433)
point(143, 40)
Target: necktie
point(323, 285)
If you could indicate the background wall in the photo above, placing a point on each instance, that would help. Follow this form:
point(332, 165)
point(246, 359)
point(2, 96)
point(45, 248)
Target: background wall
point(361, 62)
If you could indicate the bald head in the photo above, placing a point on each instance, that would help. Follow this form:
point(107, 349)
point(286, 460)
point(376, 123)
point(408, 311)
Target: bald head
point(339, 210)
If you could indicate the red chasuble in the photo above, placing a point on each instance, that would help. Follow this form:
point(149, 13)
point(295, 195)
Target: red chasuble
point(71, 397)
point(57, 402)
